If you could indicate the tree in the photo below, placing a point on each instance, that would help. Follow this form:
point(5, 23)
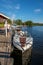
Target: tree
point(18, 22)
point(9, 21)
point(29, 23)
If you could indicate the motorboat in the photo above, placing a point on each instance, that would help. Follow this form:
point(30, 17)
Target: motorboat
point(22, 40)
point(22, 43)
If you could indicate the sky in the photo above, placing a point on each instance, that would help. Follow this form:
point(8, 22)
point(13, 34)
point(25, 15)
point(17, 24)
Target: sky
point(23, 9)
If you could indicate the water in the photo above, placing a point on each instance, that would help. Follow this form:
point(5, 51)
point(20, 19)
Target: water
point(37, 51)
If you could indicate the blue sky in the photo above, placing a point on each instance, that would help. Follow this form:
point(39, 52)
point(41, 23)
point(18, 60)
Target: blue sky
point(23, 9)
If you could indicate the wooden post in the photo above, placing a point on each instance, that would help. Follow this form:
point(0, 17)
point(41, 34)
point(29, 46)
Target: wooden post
point(6, 27)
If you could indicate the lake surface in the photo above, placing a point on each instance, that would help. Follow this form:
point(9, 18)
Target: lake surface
point(37, 51)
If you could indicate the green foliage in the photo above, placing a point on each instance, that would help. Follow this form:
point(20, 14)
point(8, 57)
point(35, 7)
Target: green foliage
point(1, 22)
point(18, 22)
point(28, 23)
point(37, 24)
point(9, 21)
point(1, 25)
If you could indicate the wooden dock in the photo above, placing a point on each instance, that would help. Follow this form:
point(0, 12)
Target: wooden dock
point(5, 50)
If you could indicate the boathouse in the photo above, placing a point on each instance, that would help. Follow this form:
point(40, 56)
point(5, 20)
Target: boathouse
point(3, 17)
point(3, 22)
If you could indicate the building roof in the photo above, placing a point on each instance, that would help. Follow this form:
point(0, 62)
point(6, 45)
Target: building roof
point(4, 16)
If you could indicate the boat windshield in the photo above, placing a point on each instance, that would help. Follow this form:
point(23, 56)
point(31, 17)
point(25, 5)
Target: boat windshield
point(22, 33)
point(26, 33)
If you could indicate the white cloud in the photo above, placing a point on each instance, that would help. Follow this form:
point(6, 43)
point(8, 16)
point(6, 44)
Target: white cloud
point(17, 6)
point(37, 10)
point(13, 16)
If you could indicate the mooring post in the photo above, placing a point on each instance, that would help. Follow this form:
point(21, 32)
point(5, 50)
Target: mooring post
point(0, 63)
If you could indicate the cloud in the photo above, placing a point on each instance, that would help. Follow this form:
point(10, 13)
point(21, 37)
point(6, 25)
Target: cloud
point(13, 16)
point(37, 10)
point(11, 7)
point(17, 6)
